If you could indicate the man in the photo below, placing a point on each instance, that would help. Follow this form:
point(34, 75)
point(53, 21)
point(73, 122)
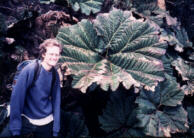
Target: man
point(37, 110)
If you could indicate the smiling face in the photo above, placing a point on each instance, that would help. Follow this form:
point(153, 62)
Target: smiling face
point(51, 56)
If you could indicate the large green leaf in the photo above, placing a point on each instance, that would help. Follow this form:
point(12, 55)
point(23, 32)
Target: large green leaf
point(119, 117)
point(160, 112)
point(122, 50)
point(186, 70)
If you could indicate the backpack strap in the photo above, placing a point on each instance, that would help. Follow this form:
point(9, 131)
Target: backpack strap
point(53, 78)
point(36, 72)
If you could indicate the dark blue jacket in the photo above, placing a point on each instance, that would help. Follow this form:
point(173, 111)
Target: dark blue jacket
point(36, 103)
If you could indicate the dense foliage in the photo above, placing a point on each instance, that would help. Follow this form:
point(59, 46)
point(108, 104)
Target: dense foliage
point(127, 66)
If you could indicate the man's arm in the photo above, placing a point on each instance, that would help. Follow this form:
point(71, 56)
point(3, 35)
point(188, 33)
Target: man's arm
point(17, 101)
point(56, 96)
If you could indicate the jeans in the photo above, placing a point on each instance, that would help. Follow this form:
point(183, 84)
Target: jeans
point(30, 130)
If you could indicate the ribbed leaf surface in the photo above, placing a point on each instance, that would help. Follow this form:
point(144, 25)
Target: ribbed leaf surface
point(160, 112)
point(118, 117)
point(80, 53)
point(167, 60)
point(122, 50)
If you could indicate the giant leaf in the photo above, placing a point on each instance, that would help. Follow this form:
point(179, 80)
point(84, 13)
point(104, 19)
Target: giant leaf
point(122, 50)
point(119, 117)
point(186, 70)
point(160, 113)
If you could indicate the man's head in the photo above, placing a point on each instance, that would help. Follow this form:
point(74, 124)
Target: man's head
point(50, 51)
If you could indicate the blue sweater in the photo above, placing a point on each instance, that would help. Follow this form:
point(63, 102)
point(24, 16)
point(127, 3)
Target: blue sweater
point(36, 103)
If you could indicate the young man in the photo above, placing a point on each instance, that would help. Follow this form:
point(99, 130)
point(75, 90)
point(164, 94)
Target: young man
point(37, 110)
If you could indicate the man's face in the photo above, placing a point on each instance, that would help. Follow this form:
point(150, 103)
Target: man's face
point(51, 56)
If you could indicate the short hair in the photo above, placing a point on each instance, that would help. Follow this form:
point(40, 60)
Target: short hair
point(47, 43)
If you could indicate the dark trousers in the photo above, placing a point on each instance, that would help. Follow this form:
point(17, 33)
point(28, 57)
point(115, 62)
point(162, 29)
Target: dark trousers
point(30, 130)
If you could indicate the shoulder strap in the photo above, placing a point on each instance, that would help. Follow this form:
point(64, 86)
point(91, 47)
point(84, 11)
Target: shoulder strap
point(36, 72)
point(53, 78)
